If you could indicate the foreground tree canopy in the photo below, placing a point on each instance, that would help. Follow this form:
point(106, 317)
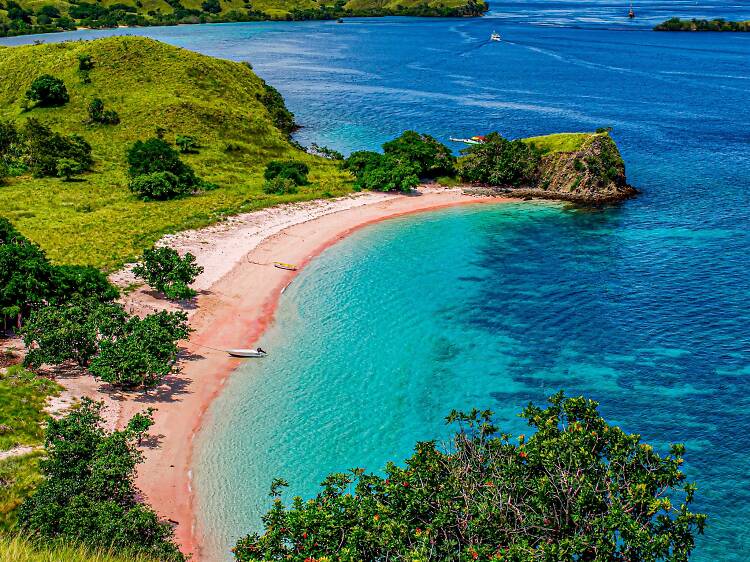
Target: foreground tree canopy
point(88, 494)
point(578, 489)
point(28, 280)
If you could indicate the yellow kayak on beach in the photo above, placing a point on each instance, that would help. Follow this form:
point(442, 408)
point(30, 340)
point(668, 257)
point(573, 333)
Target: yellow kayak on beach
point(282, 265)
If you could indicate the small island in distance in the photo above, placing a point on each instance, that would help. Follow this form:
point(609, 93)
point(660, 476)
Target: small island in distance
point(678, 24)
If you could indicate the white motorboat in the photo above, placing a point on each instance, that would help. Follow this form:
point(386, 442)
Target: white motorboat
point(246, 352)
point(495, 36)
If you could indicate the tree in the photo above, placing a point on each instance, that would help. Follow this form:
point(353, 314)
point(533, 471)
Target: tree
point(187, 144)
point(25, 274)
point(361, 160)
point(49, 10)
point(143, 352)
point(433, 158)
point(498, 161)
point(88, 494)
point(48, 91)
point(578, 489)
point(70, 332)
point(98, 114)
point(287, 169)
point(28, 280)
point(16, 12)
point(71, 282)
point(155, 155)
point(211, 6)
point(389, 174)
point(66, 23)
point(167, 272)
point(43, 148)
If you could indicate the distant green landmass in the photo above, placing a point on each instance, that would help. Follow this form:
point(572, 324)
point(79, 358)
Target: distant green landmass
point(22, 17)
point(678, 24)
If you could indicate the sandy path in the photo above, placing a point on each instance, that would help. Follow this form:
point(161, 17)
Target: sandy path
point(18, 451)
point(239, 292)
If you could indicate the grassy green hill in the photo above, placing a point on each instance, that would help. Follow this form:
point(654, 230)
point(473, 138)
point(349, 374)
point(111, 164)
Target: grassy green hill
point(18, 17)
point(97, 220)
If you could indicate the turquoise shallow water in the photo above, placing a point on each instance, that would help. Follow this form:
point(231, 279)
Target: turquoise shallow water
point(643, 307)
point(489, 306)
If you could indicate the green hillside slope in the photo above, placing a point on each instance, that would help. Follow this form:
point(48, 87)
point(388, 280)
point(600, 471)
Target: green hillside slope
point(97, 220)
point(18, 17)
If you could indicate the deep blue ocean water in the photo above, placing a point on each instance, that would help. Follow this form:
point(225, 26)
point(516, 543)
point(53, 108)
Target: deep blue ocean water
point(642, 306)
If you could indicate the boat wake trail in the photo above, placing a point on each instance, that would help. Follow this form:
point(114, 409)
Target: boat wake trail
point(473, 48)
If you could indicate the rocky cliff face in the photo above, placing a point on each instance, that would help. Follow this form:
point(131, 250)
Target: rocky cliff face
point(594, 173)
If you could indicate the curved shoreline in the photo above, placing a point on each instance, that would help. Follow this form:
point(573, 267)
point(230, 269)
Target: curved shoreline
point(238, 301)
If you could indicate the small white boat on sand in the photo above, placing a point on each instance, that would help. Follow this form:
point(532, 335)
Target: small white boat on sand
point(246, 352)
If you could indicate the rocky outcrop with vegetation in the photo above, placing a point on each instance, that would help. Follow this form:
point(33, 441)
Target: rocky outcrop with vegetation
point(593, 173)
point(579, 167)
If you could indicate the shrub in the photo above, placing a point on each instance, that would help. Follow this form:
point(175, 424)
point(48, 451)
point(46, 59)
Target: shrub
point(288, 169)
point(279, 186)
point(187, 144)
point(433, 158)
point(98, 114)
point(87, 494)
point(155, 155)
point(498, 161)
point(577, 489)
point(48, 91)
point(158, 186)
point(164, 270)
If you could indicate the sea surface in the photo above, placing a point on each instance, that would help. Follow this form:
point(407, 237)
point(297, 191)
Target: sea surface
point(644, 307)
